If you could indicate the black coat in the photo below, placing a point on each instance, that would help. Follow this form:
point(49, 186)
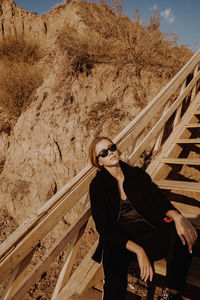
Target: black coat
point(145, 196)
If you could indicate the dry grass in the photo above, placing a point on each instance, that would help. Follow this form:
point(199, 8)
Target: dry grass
point(20, 74)
point(116, 39)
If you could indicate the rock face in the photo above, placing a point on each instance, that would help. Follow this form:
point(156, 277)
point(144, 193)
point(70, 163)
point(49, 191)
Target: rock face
point(49, 143)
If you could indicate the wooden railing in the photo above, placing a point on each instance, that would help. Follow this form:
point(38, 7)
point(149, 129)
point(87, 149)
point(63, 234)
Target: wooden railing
point(17, 251)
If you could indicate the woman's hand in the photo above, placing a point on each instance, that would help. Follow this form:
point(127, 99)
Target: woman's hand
point(146, 270)
point(186, 231)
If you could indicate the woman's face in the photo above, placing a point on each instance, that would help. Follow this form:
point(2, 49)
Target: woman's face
point(112, 159)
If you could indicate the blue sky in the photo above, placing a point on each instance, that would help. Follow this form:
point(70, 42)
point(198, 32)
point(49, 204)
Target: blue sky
point(178, 16)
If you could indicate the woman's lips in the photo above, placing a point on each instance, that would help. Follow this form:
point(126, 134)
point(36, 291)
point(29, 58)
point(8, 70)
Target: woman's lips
point(113, 157)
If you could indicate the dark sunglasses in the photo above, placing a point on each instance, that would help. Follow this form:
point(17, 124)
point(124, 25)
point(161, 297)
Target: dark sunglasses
point(104, 152)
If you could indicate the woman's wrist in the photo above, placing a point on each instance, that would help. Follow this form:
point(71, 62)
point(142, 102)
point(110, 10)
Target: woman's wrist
point(174, 215)
point(133, 247)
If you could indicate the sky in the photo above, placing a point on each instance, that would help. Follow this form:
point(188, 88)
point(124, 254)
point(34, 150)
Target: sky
point(178, 16)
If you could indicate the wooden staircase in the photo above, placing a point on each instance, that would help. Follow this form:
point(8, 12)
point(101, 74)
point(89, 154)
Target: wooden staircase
point(169, 128)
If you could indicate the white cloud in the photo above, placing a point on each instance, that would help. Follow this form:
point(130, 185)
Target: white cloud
point(167, 15)
point(155, 7)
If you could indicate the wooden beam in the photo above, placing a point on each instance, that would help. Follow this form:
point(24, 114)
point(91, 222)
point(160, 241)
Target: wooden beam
point(196, 125)
point(83, 177)
point(78, 277)
point(154, 131)
point(141, 121)
point(181, 161)
point(32, 238)
point(50, 256)
point(19, 275)
point(66, 270)
point(187, 141)
point(178, 185)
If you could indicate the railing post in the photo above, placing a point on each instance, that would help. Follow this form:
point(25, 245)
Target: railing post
point(16, 277)
point(66, 270)
point(160, 135)
point(195, 87)
point(178, 111)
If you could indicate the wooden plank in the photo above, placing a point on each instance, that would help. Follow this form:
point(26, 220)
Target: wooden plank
point(21, 273)
point(187, 141)
point(142, 120)
point(50, 256)
point(179, 109)
point(197, 112)
point(181, 161)
point(66, 270)
point(79, 275)
point(178, 185)
point(197, 125)
point(160, 135)
point(155, 130)
point(160, 170)
point(85, 175)
point(195, 87)
point(23, 247)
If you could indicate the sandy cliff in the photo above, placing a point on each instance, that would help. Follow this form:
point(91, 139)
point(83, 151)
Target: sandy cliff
point(79, 97)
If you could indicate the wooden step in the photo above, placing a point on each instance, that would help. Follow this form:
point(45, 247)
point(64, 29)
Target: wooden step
point(187, 141)
point(193, 125)
point(197, 112)
point(178, 185)
point(181, 161)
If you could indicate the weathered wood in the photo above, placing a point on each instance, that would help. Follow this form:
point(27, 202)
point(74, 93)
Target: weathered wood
point(154, 131)
point(181, 161)
point(84, 176)
point(79, 275)
point(50, 256)
point(197, 112)
point(40, 230)
point(179, 109)
point(141, 121)
point(195, 87)
point(20, 273)
point(187, 141)
point(160, 135)
point(66, 270)
point(178, 185)
point(169, 149)
point(197, 125)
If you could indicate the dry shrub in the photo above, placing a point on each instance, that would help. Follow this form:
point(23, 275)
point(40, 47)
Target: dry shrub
point(20, 74)
point(103, 111)
point(117, 39)
point(17, 82)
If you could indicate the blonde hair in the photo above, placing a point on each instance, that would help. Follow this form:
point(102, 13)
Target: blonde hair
point(92, 152)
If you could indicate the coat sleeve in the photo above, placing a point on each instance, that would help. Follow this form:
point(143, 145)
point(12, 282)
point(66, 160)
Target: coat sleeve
point(107, 229)
point(152, 190)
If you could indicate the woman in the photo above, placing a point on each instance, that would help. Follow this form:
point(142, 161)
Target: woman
point(132, 218)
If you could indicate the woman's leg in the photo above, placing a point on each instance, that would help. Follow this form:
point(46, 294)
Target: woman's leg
point(164, 242)
point(115, 265)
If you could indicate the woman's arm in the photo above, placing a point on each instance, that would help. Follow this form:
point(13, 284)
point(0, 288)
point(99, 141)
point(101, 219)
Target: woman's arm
point(146, 270)
point(184, 228)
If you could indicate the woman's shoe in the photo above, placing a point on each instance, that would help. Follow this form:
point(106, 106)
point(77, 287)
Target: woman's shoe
point(166, 295)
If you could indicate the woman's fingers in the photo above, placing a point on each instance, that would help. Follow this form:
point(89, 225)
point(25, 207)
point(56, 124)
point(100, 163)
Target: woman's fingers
point(147, 273)
point(182, 238)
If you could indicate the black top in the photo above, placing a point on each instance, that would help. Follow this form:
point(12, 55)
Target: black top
point(128, 214)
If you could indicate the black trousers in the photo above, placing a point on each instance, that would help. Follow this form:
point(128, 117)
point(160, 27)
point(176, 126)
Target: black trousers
point(158, 243)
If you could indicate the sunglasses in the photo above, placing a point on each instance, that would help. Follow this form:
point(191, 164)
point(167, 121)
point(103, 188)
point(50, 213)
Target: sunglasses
point(104, 152)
